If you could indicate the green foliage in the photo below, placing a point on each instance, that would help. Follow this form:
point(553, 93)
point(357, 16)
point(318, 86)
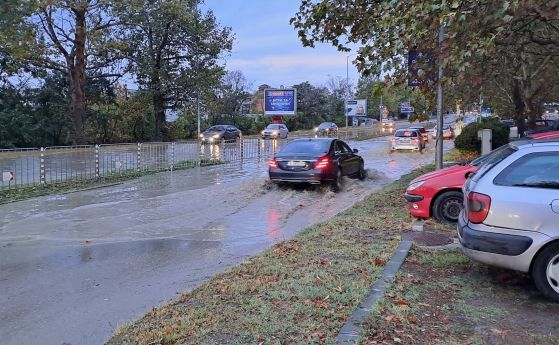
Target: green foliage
point(420, 117)
point(506, 50)
point(468, 139)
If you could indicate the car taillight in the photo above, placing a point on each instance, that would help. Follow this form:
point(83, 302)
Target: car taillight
point(478, 207)
point(272, 163)
point(322, 163)
point(393, 139)
point(415, 140)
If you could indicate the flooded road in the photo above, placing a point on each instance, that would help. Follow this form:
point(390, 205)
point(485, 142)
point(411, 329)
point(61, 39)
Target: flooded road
point(75, 266)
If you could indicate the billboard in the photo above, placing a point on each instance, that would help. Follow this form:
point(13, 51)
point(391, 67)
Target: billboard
point(280, 102)
point(356, 107)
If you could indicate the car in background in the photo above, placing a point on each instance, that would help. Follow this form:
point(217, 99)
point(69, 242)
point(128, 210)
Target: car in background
point(388, 126)
point(545, 135)
point(326, 129)
point(423, 132)
point(407, 139)
point(316, 161)
point(218, 133)
point(543, 126)
point(448, 132)
point(511, 212)
point(275, 131)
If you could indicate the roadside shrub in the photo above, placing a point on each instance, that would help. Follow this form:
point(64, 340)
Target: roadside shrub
point(468, 140)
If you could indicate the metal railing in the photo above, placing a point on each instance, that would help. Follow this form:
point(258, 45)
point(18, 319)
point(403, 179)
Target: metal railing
point(29, 167)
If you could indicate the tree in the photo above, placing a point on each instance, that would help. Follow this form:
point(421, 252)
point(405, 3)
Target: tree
point(477, 31)
point(174, 51)
point(72, 37)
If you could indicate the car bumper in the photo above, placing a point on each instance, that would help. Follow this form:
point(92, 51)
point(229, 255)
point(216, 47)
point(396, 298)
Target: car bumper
point(418, 205)
point(309, 176)
point(396, 146)
point(507, 248)
point(270, 136)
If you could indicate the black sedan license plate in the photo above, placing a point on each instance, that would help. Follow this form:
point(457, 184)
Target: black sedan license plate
point(296, 164)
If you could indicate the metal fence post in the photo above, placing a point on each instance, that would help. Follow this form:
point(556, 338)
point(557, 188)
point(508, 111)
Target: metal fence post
point(258, 151)
point(242, 148)
point(138, 161)
point(42, 176)
point(97, 161)
point(172, 155)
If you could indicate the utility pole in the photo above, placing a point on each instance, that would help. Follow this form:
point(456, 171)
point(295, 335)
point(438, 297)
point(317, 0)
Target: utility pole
point(198, 111)
point(440, 119)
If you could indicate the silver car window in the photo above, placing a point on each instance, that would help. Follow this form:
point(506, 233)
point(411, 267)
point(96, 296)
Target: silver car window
point(535, 170)
point(493, 159)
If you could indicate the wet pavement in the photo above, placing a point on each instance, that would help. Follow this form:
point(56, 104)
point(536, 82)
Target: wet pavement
point(75, 266)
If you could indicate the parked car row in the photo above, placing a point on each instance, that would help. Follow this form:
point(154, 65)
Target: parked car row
point(506, 205)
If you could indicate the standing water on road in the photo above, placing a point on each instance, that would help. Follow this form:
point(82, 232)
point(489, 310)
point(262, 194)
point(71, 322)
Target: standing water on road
point(75, 266)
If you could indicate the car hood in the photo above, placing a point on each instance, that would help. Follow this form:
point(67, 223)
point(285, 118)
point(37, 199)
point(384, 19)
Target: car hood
point(455, 169)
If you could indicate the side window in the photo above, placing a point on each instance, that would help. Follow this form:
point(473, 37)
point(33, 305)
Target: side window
point(535, 170)
point(347, 149)
point(341, 147)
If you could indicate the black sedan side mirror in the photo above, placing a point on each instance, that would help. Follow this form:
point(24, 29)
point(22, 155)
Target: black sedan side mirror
point(355, 150)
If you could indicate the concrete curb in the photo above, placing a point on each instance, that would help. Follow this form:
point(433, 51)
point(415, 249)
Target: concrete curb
point(351, 331)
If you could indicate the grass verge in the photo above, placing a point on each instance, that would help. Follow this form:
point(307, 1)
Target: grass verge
point(299, 291)
point(77, 184)
point(442, 297)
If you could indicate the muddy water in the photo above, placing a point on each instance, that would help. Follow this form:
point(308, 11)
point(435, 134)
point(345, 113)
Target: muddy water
point(75, 266)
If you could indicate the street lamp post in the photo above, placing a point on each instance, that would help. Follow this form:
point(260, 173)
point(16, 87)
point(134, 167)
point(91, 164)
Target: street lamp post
point(347, 86)
point(440, 119)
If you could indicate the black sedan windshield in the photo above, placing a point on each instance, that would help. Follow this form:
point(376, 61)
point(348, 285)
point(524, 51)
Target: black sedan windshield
point(306, 147)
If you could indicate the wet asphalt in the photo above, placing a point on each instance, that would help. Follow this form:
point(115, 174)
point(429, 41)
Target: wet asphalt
point(73, 267)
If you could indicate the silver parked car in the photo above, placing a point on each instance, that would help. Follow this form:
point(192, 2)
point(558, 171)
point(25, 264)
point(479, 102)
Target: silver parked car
point(275, 131)
point(511, 212)
point(407, 139)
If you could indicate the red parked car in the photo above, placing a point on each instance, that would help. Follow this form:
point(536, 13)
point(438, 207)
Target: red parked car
point(438, 194)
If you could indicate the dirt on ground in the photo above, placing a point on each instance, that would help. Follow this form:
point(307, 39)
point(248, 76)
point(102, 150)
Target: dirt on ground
point(442, 297)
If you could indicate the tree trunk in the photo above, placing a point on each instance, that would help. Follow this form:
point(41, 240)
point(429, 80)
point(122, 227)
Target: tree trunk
point(77, 80)
point(519, 106)
point(159, 109)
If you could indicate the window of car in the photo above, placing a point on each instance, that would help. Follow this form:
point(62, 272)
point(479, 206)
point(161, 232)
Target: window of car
point(341, 148)
point(216, 128)
point(283, 127)
point(406, 133)
point(273, 126)
point(534, 170)
point(492, 159)
point(307, 147)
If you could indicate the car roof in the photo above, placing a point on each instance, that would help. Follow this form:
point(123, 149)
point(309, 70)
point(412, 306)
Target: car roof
point(313, 139)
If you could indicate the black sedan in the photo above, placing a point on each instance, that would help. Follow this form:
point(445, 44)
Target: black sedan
point(316, 161)
point(220, 132)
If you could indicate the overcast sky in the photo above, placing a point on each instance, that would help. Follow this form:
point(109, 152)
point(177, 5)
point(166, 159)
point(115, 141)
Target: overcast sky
point(267, 49)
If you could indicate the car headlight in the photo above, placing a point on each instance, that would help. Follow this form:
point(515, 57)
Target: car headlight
point(216, 136)
point(316, 129)
point(415, 185)
point(262, 132)
point(275, 132)
point(201, 135)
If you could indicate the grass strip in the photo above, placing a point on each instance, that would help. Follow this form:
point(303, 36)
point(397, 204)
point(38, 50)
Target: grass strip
point(442, 297)
point(299, 291)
